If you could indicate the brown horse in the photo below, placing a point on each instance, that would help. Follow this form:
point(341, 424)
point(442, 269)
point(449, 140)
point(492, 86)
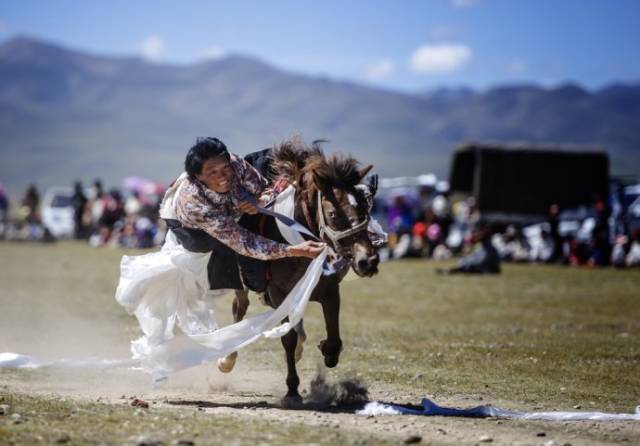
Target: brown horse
point(333, 204)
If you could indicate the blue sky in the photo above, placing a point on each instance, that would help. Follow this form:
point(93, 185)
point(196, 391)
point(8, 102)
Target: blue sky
point(401, 45)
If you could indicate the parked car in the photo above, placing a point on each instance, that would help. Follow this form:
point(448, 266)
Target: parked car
point(57, 212)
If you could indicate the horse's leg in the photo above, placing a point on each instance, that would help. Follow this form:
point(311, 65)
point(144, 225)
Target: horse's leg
point(289, 342)
point(332, 346)
point(302, 337)
point(239, 309)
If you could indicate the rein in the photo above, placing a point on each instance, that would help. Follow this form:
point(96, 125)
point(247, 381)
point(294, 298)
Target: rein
point(323, 229)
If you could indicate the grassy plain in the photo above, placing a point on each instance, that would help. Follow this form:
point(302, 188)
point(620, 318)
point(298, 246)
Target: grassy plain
point(535, 337)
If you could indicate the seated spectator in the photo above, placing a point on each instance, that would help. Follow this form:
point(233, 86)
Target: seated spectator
point(418, 241)
point(145, 233)
point(619, 251)
point(483, 259)
point(578, 252)
point(544, 248)
point(441, 252)
point(633, 257)
point(512, 246)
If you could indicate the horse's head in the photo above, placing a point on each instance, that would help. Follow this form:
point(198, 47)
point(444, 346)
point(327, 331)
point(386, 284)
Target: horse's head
point(341, 205)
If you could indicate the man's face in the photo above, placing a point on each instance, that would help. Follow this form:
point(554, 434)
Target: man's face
point(217, 174)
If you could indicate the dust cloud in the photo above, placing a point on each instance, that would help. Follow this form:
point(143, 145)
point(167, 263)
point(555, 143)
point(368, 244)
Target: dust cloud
point(345, 393)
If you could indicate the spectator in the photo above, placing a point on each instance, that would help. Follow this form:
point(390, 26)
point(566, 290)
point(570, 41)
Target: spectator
point(30, 205)
point(544, 248)
point(554, 234)
point(4, 212)
point(113, 210)
point(133, 205)
point(633, 257)
point(96, 204)
point(601, 248)
point(79, 201)
point(512, 245)
point(578, 253)
point(483, 259)
point(400, 216)
point(619, 251)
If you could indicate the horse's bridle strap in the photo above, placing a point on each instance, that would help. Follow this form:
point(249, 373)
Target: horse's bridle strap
point(336, 236)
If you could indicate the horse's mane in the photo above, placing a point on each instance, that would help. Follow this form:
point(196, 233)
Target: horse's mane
point(290, 157)
point(295, 160)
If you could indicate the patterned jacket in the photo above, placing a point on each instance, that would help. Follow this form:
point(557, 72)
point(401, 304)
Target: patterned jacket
point(198, 207)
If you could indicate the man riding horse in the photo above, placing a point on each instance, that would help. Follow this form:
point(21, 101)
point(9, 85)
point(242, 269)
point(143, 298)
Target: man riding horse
point(208, 210)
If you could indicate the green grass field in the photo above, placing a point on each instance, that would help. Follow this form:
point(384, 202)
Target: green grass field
point(534, 337)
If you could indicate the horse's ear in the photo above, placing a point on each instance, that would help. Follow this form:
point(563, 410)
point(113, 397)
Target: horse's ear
point(364, 171)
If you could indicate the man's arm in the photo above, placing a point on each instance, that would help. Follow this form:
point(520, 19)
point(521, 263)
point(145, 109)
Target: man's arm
point(194, 211)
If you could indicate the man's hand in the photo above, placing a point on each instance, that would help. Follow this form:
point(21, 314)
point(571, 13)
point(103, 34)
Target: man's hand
point(308, 249)
point(247, 208)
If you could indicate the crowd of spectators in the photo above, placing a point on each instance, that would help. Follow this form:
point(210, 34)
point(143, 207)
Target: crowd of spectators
point(25, 223)
point(425, 224)
point(430, 225)
point(102, 218)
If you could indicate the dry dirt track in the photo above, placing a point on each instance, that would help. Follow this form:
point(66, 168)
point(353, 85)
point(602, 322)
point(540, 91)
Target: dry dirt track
point(248, 397)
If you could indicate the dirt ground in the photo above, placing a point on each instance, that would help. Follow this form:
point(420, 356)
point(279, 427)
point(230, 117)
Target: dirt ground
point(250, 403)
point(532, 339)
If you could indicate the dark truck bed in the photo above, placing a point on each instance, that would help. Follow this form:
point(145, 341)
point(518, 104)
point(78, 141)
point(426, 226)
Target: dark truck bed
point(520, 182)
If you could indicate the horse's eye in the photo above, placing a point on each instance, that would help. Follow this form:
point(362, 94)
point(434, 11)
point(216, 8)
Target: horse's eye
point(332, 215)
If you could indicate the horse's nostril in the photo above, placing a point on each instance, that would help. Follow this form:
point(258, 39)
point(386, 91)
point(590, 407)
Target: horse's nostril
point(363, 264)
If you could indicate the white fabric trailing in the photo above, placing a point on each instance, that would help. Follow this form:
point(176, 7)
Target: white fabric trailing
point(17, 361)
point(171, 287)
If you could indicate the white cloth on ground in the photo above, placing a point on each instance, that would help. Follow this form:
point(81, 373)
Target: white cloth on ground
point(18, 361)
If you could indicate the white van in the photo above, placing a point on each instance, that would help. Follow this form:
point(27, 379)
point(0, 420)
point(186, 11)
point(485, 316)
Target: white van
point(57, 212)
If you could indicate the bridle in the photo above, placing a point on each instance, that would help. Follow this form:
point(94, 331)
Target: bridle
point(334, 235)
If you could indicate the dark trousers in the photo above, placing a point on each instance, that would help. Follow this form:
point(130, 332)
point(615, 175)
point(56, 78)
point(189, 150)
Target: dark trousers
point(226, 268)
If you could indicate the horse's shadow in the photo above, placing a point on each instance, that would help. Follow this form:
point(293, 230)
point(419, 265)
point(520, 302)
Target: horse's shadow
point(252, 405)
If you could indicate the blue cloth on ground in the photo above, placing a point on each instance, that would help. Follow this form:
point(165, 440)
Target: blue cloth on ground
point(429, 408)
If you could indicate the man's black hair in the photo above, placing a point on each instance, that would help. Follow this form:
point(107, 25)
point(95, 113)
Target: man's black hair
point(201, 151)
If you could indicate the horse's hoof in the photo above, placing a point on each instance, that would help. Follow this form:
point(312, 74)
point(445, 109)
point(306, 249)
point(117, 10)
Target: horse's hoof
point(225, 365)
point(331, 356)
point(292, 402)
point(299, 347)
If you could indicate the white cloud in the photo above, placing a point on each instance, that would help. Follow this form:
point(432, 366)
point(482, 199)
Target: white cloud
point(152, 47)
point(464, 3)
point(517, 66)
point(440, 58)
point(380, 70)
point(214, 52)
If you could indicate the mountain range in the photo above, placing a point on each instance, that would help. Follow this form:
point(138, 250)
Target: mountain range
point(67, 115)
